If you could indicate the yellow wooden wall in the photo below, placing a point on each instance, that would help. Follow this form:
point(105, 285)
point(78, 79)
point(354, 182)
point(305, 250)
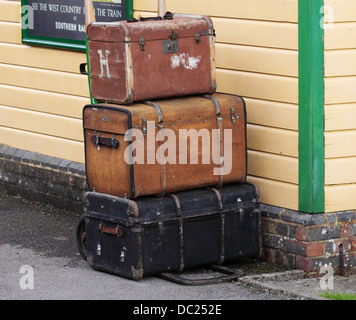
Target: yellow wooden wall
point(42, 92)
point(257, 58)
point(340, 106)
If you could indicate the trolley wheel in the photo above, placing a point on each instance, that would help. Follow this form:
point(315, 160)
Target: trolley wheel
point(81, 237)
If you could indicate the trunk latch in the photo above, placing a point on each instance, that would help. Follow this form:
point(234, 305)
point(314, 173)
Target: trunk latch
point(197, 37)
point(142, 42)
point(174, 35)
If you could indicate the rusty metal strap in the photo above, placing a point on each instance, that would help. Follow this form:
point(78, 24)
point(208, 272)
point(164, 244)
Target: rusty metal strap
point(163, 173)
point(219, 126)
point(160, 126)
point(178, 207)
point(218, 197)
point(222, 222)
point(219, 121)
point(215, 101)
point(157, 108)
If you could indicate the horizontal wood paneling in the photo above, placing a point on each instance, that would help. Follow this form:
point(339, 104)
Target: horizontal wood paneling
point(272, 166)
point(38, 122)
point(343, 10)
point(340, 117)
point(53, 81)
point(10, 32)
point(257, 33)
point(272, 140)
point(10, 11)
point(257, 59)
point(340, 107)
point(340, 144)
point(42, 101)
point(340, 110)
point(259, 86)
point(340, 63)
point(272, 114)
point(340, 171)
point(276, 193)
point(274, 10)
point(341, 36)
point(56, 147)
point(42, 58)
point(41, 93)
point(340, 197)
point(340, 90)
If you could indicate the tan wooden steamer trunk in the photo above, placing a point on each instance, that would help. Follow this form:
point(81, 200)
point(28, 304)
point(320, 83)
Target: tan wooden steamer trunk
point(205, 145)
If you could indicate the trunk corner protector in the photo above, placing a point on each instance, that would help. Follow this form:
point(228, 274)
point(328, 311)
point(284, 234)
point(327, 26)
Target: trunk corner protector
point(85, 198)
point(256, 189)
point(133, 209)
point(126, 29)
point(137, 272)
point(130, 98)
point(213, 87)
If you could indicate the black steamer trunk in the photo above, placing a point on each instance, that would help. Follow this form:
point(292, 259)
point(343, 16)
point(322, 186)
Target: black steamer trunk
point(151, 235)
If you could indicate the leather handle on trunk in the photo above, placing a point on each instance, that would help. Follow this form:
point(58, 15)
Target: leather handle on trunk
point(115, 231)
point(108, 142)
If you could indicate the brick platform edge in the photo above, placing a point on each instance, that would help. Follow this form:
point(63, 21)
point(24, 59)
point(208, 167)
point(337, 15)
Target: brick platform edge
point(42, 178)
point(309, 241)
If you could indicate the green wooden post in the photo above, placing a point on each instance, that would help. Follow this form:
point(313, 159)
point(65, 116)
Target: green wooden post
point(311, 107)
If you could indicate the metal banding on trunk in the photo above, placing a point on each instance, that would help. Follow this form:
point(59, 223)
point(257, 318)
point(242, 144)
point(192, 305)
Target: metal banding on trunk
point(219, 121)
point(220, 127)
point(215, 101)
point(162, 163)
point(163, 174)
point(218, 197)
point(180, 228)
point(157, 108)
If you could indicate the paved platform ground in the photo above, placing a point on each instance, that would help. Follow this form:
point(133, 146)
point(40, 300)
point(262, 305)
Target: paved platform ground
point(43, 237)
point(293, 284)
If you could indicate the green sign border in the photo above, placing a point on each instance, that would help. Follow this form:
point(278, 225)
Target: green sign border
point(61, 43)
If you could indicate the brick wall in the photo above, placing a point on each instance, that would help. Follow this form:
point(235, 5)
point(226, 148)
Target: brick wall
point(42, 178)
point(309, 241)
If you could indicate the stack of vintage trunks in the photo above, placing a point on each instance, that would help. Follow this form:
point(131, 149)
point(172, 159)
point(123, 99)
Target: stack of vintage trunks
point(165, 155)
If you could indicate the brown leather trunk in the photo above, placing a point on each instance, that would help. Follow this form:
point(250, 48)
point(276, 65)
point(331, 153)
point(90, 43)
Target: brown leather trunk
point(173, 145)
point(134, 61)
